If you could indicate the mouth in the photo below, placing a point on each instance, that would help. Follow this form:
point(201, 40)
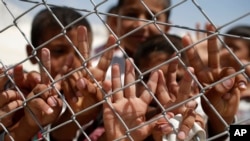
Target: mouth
point(138, 38)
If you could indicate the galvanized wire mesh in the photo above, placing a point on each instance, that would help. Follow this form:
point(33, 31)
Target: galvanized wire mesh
point(12, 22)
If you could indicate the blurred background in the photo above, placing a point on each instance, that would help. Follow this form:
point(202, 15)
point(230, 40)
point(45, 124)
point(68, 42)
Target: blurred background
point(13, 39)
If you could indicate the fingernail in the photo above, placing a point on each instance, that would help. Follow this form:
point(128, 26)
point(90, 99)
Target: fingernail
point(192, 104)
point(79, 94)
point(49, 111)
point(181, 135)
point(242, 85)
point(74, 99)
point(228, 83)
point(52, 101)
point(38, 79)
point(80, 84)
point(165, 128)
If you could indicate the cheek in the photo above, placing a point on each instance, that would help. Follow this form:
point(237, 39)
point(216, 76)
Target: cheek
point(154, 31)
point(242, 54)
point(77, 63)
point(56, 65)
point(125, 26)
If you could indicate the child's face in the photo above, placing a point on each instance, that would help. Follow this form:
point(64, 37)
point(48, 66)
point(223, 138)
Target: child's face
point(135, 9)
point(240, 49)
point(60, 49)
point(154, 59)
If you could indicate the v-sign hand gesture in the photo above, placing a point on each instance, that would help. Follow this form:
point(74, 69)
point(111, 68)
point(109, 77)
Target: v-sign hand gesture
point(225, 94)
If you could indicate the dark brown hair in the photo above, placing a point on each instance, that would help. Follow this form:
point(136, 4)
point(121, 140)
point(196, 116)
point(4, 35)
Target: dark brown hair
point(44, 20)
point(166, 4)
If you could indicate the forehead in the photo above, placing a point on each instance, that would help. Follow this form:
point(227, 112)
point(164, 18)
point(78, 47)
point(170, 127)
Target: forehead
point(154, 5)
point(48, 35)
point(52, 32)
point(154, 59)
point(236, 41)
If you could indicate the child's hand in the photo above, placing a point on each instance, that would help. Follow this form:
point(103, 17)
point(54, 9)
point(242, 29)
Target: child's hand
point(126, 105)
point(43, 102)
point(224, 95)
point(9, 101)
point(41, 106)
point(80, 88)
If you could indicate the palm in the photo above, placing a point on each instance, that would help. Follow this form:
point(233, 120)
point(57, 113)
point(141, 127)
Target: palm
point(223, 96)
point(126, 105)
point(85, 91)
point(224, 106)
point(133, 115)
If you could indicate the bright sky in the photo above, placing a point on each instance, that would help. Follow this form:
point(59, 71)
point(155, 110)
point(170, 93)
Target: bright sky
point(220, 12)
point(185, 14)
point(12, 43)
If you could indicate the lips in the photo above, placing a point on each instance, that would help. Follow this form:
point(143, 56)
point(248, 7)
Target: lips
point(138, 38)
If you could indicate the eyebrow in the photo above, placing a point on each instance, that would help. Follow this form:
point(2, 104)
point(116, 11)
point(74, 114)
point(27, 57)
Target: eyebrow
point(134, 9)
point(130, 8)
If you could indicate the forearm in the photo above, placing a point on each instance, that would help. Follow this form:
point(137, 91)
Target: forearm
point(65, 132)
point(216, 126)
point(115, 134)
point(70, 129)
point(19, 132)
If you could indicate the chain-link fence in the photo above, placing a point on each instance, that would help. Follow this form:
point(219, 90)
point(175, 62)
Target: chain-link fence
point(25, 101)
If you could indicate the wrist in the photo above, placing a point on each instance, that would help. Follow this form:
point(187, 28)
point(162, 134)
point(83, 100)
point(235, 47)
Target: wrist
point(19, 131)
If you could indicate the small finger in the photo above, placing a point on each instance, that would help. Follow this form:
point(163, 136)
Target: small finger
point(33, 78)
point(39, 104)
point(241, 82)
point(18, 75)
point(8, 96)
point(106, 58)
point(185, 86)
point(82, 39)
point(10, 106)
point(116, 82)
point(85, 87)
point(41, 91)
point(129, 92)
point(186, 124)
point(172, 73)
point(227, 84)
point(45, 58)
point(162, 91)
point(152, 85)
point(192, 55)
point(213, 49)
point(69, 91)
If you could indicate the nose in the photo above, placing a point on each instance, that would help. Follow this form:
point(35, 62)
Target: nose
point(224, 52)
point(224, 55)
point(140, 21)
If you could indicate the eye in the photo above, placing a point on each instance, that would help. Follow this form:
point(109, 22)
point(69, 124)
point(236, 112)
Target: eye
point(132, 14)
point(148, 16)
point(57, 51)
point(234, 48)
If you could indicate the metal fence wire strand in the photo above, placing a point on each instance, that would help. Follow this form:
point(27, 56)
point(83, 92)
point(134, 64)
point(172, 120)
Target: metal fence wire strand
point(13, 21)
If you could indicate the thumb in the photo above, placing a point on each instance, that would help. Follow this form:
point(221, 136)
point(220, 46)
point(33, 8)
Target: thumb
point(227, 83)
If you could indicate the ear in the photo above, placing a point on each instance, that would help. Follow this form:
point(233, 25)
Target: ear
point(29, 53)
point(167, 28)
point(112, 22)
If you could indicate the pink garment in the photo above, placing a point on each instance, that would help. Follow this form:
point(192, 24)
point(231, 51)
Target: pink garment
point(96, 134)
